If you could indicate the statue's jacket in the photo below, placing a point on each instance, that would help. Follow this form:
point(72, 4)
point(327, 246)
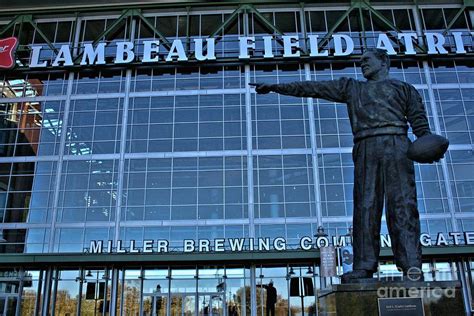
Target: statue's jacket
point(375, 108)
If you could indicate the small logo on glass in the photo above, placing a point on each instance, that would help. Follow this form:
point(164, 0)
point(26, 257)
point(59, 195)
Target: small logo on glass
point(7, 51)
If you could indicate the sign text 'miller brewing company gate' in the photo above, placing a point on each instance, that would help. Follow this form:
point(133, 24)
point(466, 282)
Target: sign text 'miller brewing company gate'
point(261, 244)
point(150, 51)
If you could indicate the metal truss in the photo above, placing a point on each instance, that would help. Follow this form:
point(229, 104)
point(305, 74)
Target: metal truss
point(466, 4)
point(22, 19)
point(360, 6)
point(137, 14)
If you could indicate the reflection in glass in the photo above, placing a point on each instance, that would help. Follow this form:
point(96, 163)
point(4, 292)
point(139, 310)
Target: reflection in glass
point(31, 292)
point(94, 126)
point(155, 292)
point(40, 85)
point(445, 271)
point(131, 293)
point(211, 305)
point(95, 292)
point(30, 128)
point(155, 305)
point(182, 305)
point(67, 293)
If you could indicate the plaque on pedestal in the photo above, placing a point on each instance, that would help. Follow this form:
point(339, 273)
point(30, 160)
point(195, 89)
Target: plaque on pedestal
point(372, 299)
point(406, 306)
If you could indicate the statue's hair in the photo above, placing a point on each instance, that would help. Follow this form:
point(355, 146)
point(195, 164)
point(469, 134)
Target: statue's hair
point(381, 54)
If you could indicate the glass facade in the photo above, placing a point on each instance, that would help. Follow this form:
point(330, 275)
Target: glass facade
point(188, 151)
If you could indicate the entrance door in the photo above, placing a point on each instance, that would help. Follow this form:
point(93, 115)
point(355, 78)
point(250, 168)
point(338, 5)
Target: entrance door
point(183, 304)
point(155, 304)
point(8, 305)
point(211, 304)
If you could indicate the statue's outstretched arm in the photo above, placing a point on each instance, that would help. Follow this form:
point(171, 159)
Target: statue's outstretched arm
point(332, 90)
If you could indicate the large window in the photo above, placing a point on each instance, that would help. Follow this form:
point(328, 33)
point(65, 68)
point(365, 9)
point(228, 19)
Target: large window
point(94, 127)
point(88, 191)
point(283, 186)
point(279, 121)
point(187, 123)
point(30, 128)
point(185, 189)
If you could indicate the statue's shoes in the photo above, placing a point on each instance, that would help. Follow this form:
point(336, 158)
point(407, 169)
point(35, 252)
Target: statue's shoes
point(356, 274)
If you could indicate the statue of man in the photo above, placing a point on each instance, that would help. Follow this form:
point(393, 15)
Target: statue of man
point(380, 110)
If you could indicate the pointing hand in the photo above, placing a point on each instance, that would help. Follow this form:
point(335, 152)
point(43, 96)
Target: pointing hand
point(261, 88)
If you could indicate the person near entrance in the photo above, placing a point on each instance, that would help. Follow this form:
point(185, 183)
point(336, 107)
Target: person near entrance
point(380, 110)
point(271, 297)
point(159, 300)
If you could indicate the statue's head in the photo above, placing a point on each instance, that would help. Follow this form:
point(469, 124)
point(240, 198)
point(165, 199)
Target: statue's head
point(375, 63)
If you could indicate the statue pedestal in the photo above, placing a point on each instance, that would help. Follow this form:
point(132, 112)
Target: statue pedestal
point(395, 298)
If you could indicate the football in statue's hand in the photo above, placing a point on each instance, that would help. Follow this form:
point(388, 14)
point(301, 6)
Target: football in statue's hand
point(428, 148)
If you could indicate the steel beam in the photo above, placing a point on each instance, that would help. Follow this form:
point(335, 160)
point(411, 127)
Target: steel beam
point(15, 20)
point(29, 19)
point(393, 27)
point(223, 26)
point(164, 41)
point(268, 24)
point(454, 20)
point(262, 19)
point(325, 40)
point(125, 14)
point(226, 22)
point(362, 25)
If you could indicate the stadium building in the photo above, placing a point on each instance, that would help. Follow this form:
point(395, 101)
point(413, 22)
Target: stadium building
point(140, 174)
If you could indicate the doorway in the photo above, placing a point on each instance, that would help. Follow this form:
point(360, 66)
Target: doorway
point(211, 304)
point(183, 304)
point(8, 304)
point(155, 304)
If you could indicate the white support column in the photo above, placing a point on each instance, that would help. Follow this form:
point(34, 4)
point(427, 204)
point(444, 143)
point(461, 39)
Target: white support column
point(250, 185)
point(113, 291)
point(253, 290)
point(437, 125)
point(46, 293)
point(80, 282)
point(62, 142)
point(312, 127)
point(55, 280)
point(20, 291)
point(168, 300)
point(141, 278)
point(75, 48)
point(59, 166)
point(462, 266)
point(302, 25)
point(314, 155)
point(123, 144)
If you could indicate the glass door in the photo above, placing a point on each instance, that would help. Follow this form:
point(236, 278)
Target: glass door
point(183, 304)
point(155, 304)
point(211, 304)
point(9, 291)
point(8, 305)
point(183, 292)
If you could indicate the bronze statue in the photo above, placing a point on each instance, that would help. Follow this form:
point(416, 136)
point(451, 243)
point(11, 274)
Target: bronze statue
point(380, 110)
